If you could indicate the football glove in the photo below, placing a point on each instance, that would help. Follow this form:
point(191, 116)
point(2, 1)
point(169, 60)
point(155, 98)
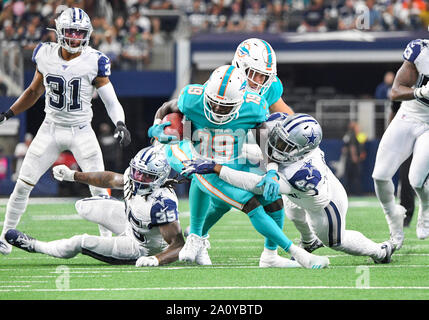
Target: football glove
point(150, 261)
point(123, 134)
point(63, 173)
point(157, 132)
point(270, 184)
point(422, 92)
point(199, 166)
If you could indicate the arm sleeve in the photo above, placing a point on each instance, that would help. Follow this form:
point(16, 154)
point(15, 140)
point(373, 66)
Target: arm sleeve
point(248, 180)
point(111, 102)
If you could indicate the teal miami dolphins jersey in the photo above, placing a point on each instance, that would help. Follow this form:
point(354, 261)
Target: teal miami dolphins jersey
point(274, 92)
point(222, 142)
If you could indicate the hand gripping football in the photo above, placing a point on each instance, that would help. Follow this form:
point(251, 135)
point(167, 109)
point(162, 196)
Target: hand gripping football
point(176, 126)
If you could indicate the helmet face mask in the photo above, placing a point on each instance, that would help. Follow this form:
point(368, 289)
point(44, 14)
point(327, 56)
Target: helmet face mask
point(293, 138)
point(224, 94)
point(148, 170)
point(257, 59)
point(73, 28)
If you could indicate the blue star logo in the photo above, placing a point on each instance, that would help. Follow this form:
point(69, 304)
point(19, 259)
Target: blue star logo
point(159, 199)
point(309, 167)
point(312, 137)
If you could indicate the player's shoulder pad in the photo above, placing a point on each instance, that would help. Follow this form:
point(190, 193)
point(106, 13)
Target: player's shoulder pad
point(258, 104)
point(414, 48)
point(306, 178)
point(187, 94)
point(103, 63)
point(164, 209)
point(277, 116)
point(36, 51)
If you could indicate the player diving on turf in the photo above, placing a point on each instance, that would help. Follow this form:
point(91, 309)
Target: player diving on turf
point(292, 143)
point(146, 222)
point(221, 113)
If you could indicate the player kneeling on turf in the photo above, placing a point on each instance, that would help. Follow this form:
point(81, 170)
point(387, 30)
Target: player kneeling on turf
point(146, 223)
point(308, 183)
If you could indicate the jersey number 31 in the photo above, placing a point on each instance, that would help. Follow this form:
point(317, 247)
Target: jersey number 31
point(59, 88)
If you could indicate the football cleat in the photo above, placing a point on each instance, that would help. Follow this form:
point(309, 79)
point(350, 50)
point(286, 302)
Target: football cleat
point(318, 262)
point(203, 257)
point(191, 249)
point(310, 246)
point(389, 247)
point(275, 261)
point(20, 240)
point(396, 226)
point(5, 248)
point(422, 229)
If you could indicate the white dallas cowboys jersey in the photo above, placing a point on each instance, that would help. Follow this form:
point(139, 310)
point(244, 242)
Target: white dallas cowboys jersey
point(69, 84)
point(417, 52)
point(146, 214)
point(314, 184)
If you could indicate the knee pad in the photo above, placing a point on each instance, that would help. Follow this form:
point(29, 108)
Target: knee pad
point(274, 206)
point(251, 205)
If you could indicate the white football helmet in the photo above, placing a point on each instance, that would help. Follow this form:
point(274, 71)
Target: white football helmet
point(73, 24)
point(148, 170)
point(223, 94)
point(255, 56)
point(293, 138)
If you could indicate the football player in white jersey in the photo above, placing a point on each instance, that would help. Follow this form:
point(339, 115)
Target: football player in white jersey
point(317, 195)
point(68, 72)
point(147, 222)
point(407, 134)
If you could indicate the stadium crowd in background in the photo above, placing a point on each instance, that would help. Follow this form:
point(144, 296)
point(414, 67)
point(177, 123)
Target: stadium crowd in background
point(126, 32)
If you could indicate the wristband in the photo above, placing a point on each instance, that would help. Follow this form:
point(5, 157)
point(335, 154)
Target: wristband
point(157, 121)
point(272, 166)
point(8, 114)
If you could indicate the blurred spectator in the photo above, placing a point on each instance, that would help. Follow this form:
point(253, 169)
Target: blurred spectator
point(255, 17)
point(109, 147)
point(3, 88)
point(375, 17)
point(383, 89)
point(347, 16)
point(217, 18)
point(235, 19)
point(135, 52)
point(197, 16)
point(277, 17)
point(355, 154)
point(3, 165)
point(314, 18)
point(111, 48)
point(19, 154)
point(120, 29)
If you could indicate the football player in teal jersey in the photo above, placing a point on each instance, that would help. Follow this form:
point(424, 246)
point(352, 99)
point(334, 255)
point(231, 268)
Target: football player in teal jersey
point(222, 113)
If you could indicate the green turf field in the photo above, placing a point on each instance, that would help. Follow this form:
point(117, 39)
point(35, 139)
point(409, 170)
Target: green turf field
point(235, 275)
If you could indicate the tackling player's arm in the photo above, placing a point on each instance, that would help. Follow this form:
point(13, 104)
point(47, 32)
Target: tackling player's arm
point(102, 179)
point(172, 234)
point(27, 99)
point(166, 108)
point(281, 106)
point(114, 108)
point(404, 80)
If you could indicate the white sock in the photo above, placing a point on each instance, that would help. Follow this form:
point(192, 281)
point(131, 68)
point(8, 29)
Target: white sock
point(64, 248)
point(356, 244)
point(423, 196)
point(385, 191)
point(270, 252)
point(16, 205)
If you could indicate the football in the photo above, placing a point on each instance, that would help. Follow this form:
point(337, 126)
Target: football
point(176, 126)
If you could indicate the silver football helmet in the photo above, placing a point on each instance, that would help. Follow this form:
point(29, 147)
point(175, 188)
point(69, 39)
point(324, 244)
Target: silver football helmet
point(224, 94)
point(73, 26)
point(255, 56)
point(293, 138)
point(148, 170)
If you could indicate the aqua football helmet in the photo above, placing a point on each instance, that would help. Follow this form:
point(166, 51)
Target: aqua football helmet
point(73, 26)
point(255, 56)
point(148, 170)
point(224, 94)
point(293, 138)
